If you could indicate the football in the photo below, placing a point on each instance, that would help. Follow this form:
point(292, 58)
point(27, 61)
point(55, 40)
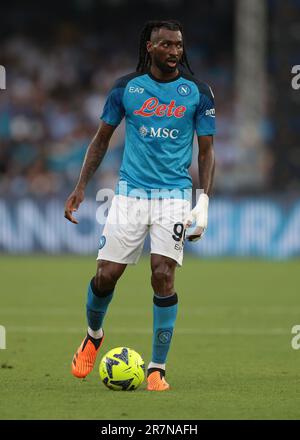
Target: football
point(122, 369)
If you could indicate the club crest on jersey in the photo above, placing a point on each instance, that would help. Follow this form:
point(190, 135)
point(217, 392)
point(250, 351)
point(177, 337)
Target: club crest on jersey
point(152, 107)
point(183, 89)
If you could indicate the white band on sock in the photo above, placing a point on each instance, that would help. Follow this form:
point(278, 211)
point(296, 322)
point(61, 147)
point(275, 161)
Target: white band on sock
point(96, 334)
point(154, 365)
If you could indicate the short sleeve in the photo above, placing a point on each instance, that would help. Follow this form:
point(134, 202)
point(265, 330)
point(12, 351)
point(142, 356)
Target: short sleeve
point(205, 117)
point(113, 111)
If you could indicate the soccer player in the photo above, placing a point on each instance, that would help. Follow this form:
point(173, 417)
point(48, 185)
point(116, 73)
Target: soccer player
point(163, 105)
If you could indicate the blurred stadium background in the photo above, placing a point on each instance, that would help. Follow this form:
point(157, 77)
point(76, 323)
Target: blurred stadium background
point(59, 68)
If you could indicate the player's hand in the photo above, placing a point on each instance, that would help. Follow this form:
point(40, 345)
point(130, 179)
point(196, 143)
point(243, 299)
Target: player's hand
point(199, 215)
point(72, 204)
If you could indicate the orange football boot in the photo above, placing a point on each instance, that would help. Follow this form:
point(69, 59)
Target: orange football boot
point(85, 358)
point(157, 382)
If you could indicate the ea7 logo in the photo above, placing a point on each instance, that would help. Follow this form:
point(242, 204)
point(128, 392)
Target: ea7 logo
point(296, 339)
point(2, 338)
point(136, 89)
point(2, 78)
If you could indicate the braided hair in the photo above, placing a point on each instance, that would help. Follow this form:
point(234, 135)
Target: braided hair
point(144, 56)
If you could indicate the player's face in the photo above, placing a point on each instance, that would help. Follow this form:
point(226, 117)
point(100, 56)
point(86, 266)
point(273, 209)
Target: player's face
point(166, 48)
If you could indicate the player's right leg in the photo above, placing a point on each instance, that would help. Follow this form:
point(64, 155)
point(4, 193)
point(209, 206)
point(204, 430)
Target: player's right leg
point(99, 295)
point(121, 244)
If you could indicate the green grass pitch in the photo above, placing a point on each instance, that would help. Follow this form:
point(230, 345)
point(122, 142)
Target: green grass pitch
point(231, 355)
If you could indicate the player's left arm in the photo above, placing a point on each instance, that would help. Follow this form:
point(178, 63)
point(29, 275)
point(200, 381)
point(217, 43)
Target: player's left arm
point(206, 167)
point(205, 117)
point(206, 163)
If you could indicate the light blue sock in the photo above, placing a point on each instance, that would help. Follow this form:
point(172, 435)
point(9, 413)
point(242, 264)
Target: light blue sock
point(96, 306)
point(164, 317)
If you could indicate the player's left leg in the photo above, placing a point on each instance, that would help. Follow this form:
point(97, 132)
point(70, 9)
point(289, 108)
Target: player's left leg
point(164, 317)
point(167, 242)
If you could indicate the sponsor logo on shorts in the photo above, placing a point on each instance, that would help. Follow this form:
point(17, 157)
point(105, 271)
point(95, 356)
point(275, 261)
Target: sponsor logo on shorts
point(178, 247)
point(102, 241)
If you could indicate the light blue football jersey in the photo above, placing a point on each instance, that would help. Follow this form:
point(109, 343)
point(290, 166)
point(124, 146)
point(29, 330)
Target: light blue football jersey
point(161, 118)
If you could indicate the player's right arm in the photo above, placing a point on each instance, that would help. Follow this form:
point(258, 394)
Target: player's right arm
point(94, 155)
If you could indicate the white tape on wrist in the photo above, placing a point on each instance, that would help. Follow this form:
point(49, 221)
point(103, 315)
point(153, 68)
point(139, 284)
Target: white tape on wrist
point(203, 201)
point(201, 211)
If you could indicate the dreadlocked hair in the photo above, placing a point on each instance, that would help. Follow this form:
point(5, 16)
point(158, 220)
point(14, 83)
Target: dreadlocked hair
point(144, 56)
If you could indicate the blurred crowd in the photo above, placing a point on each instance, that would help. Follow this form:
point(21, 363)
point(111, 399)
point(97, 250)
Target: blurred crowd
point(51, 108)
point(50, 111)
point(55, 93)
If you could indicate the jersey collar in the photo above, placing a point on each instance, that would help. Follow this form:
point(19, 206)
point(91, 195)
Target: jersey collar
point(164, 80)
